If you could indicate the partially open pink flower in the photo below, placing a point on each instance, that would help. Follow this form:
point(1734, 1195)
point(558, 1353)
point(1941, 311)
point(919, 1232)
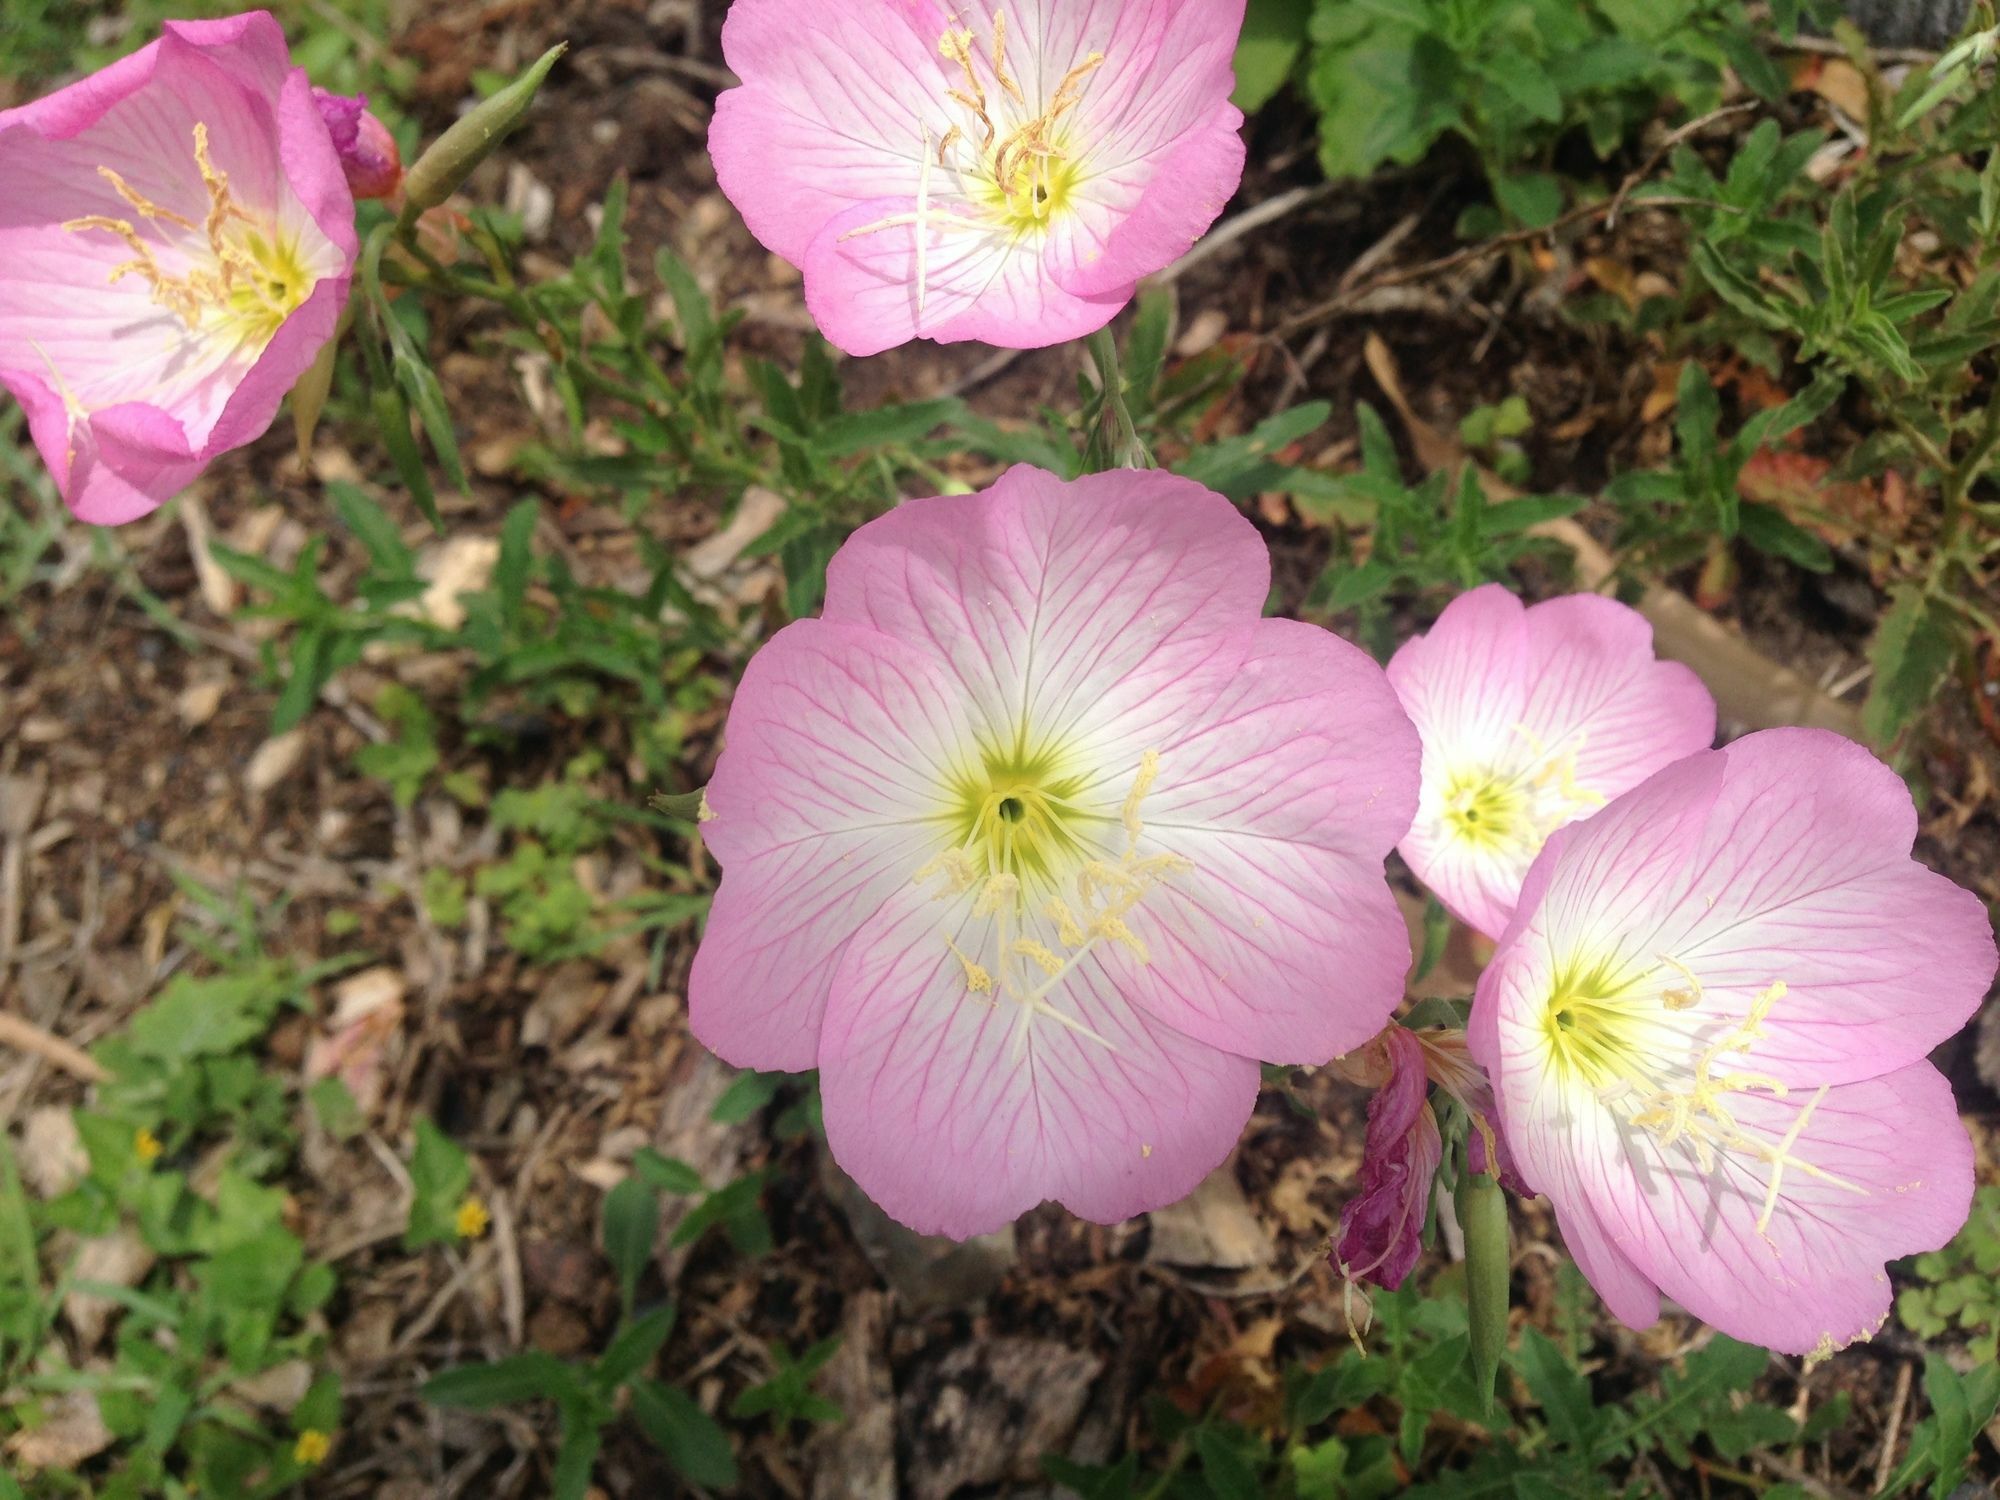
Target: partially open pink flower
point(175, 246)
point(1040, 838)
point(369, 156)
point(1531, 718)
point(977, 171)
point(1707, 1030)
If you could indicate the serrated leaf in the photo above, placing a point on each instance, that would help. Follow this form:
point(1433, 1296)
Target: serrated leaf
point(1913, 650)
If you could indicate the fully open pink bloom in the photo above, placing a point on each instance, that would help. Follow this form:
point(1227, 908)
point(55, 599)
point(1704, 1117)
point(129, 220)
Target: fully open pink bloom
point(1707, 1026)
point(1040, 838)
point(977, 170)
point(1531, 718)
point(176, 239)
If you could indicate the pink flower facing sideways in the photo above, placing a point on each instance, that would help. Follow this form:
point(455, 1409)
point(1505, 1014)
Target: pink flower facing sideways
point(1040, 838)
point(176, 238)
point(1531, 718)
point(1706, 1029)
point(977, 170)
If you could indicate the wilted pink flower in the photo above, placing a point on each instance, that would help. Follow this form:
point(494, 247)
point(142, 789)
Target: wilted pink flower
point(1381, 1231)
point(977, 171)
point(1531, 718)
point(368, 153)
point(1706, 1029)
point(175, 246)
point(1381, 1226)
point(1040, 838)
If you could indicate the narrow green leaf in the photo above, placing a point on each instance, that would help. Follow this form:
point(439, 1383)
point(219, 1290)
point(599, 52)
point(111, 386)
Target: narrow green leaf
point(631, 1223)
point(689, 1438)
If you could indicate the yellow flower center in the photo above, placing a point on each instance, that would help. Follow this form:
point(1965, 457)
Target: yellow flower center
point(1021, 166)
point(1512, 807)
point(1044, 895)
point(242, 277)
point(1615, 1038)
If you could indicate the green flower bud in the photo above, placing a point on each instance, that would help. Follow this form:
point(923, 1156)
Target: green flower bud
point(1482, 1216)
point(452, 156)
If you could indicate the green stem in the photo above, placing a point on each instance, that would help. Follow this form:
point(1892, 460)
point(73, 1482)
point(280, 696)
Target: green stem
point(1114, 441)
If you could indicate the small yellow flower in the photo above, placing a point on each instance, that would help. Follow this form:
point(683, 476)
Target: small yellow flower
point(472, 1219)
point(312, 1448)
point(146, 1146)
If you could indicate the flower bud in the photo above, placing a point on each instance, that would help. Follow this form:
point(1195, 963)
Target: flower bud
point(452, 156)
point(368, 154)
point(1482, 1218)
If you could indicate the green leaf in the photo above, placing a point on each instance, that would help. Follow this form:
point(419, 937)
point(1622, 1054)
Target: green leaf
point(1523, 79)
point(1914, 648)
point(441, 1176)
point(581, 1441)
point(1563, 1393)
point(747, 1093)
point(884, 427)
point(521, 1377)
point(1768, 529)
point(1223, 1466)
point(692, 1441)
point(666, 1173)
point(635, 1347)
point(1274, 33)
point(510, 572)
point(631, 1223)
point(1534, 199)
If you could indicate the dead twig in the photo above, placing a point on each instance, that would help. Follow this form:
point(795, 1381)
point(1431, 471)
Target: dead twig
point(1342, 300)
point(24, 1036)
point(1886, 1460)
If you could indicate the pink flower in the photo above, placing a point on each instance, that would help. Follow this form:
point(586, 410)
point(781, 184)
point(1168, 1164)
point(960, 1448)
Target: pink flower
point(1531, 718)
point(1707, 1027)
point(369, 157)
point(1040, 838)
point(175, 245)
point(977, 171)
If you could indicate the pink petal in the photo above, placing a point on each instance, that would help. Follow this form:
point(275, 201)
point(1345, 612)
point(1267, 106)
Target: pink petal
point(1284, 794)
point(829, 113)
point(955, 1122)
point(1381, 1229)
point(1813, 1279)
point(1079, 608)
point(1794, 869)
point(862, 285)
point(822, 805)
point(846, 109)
